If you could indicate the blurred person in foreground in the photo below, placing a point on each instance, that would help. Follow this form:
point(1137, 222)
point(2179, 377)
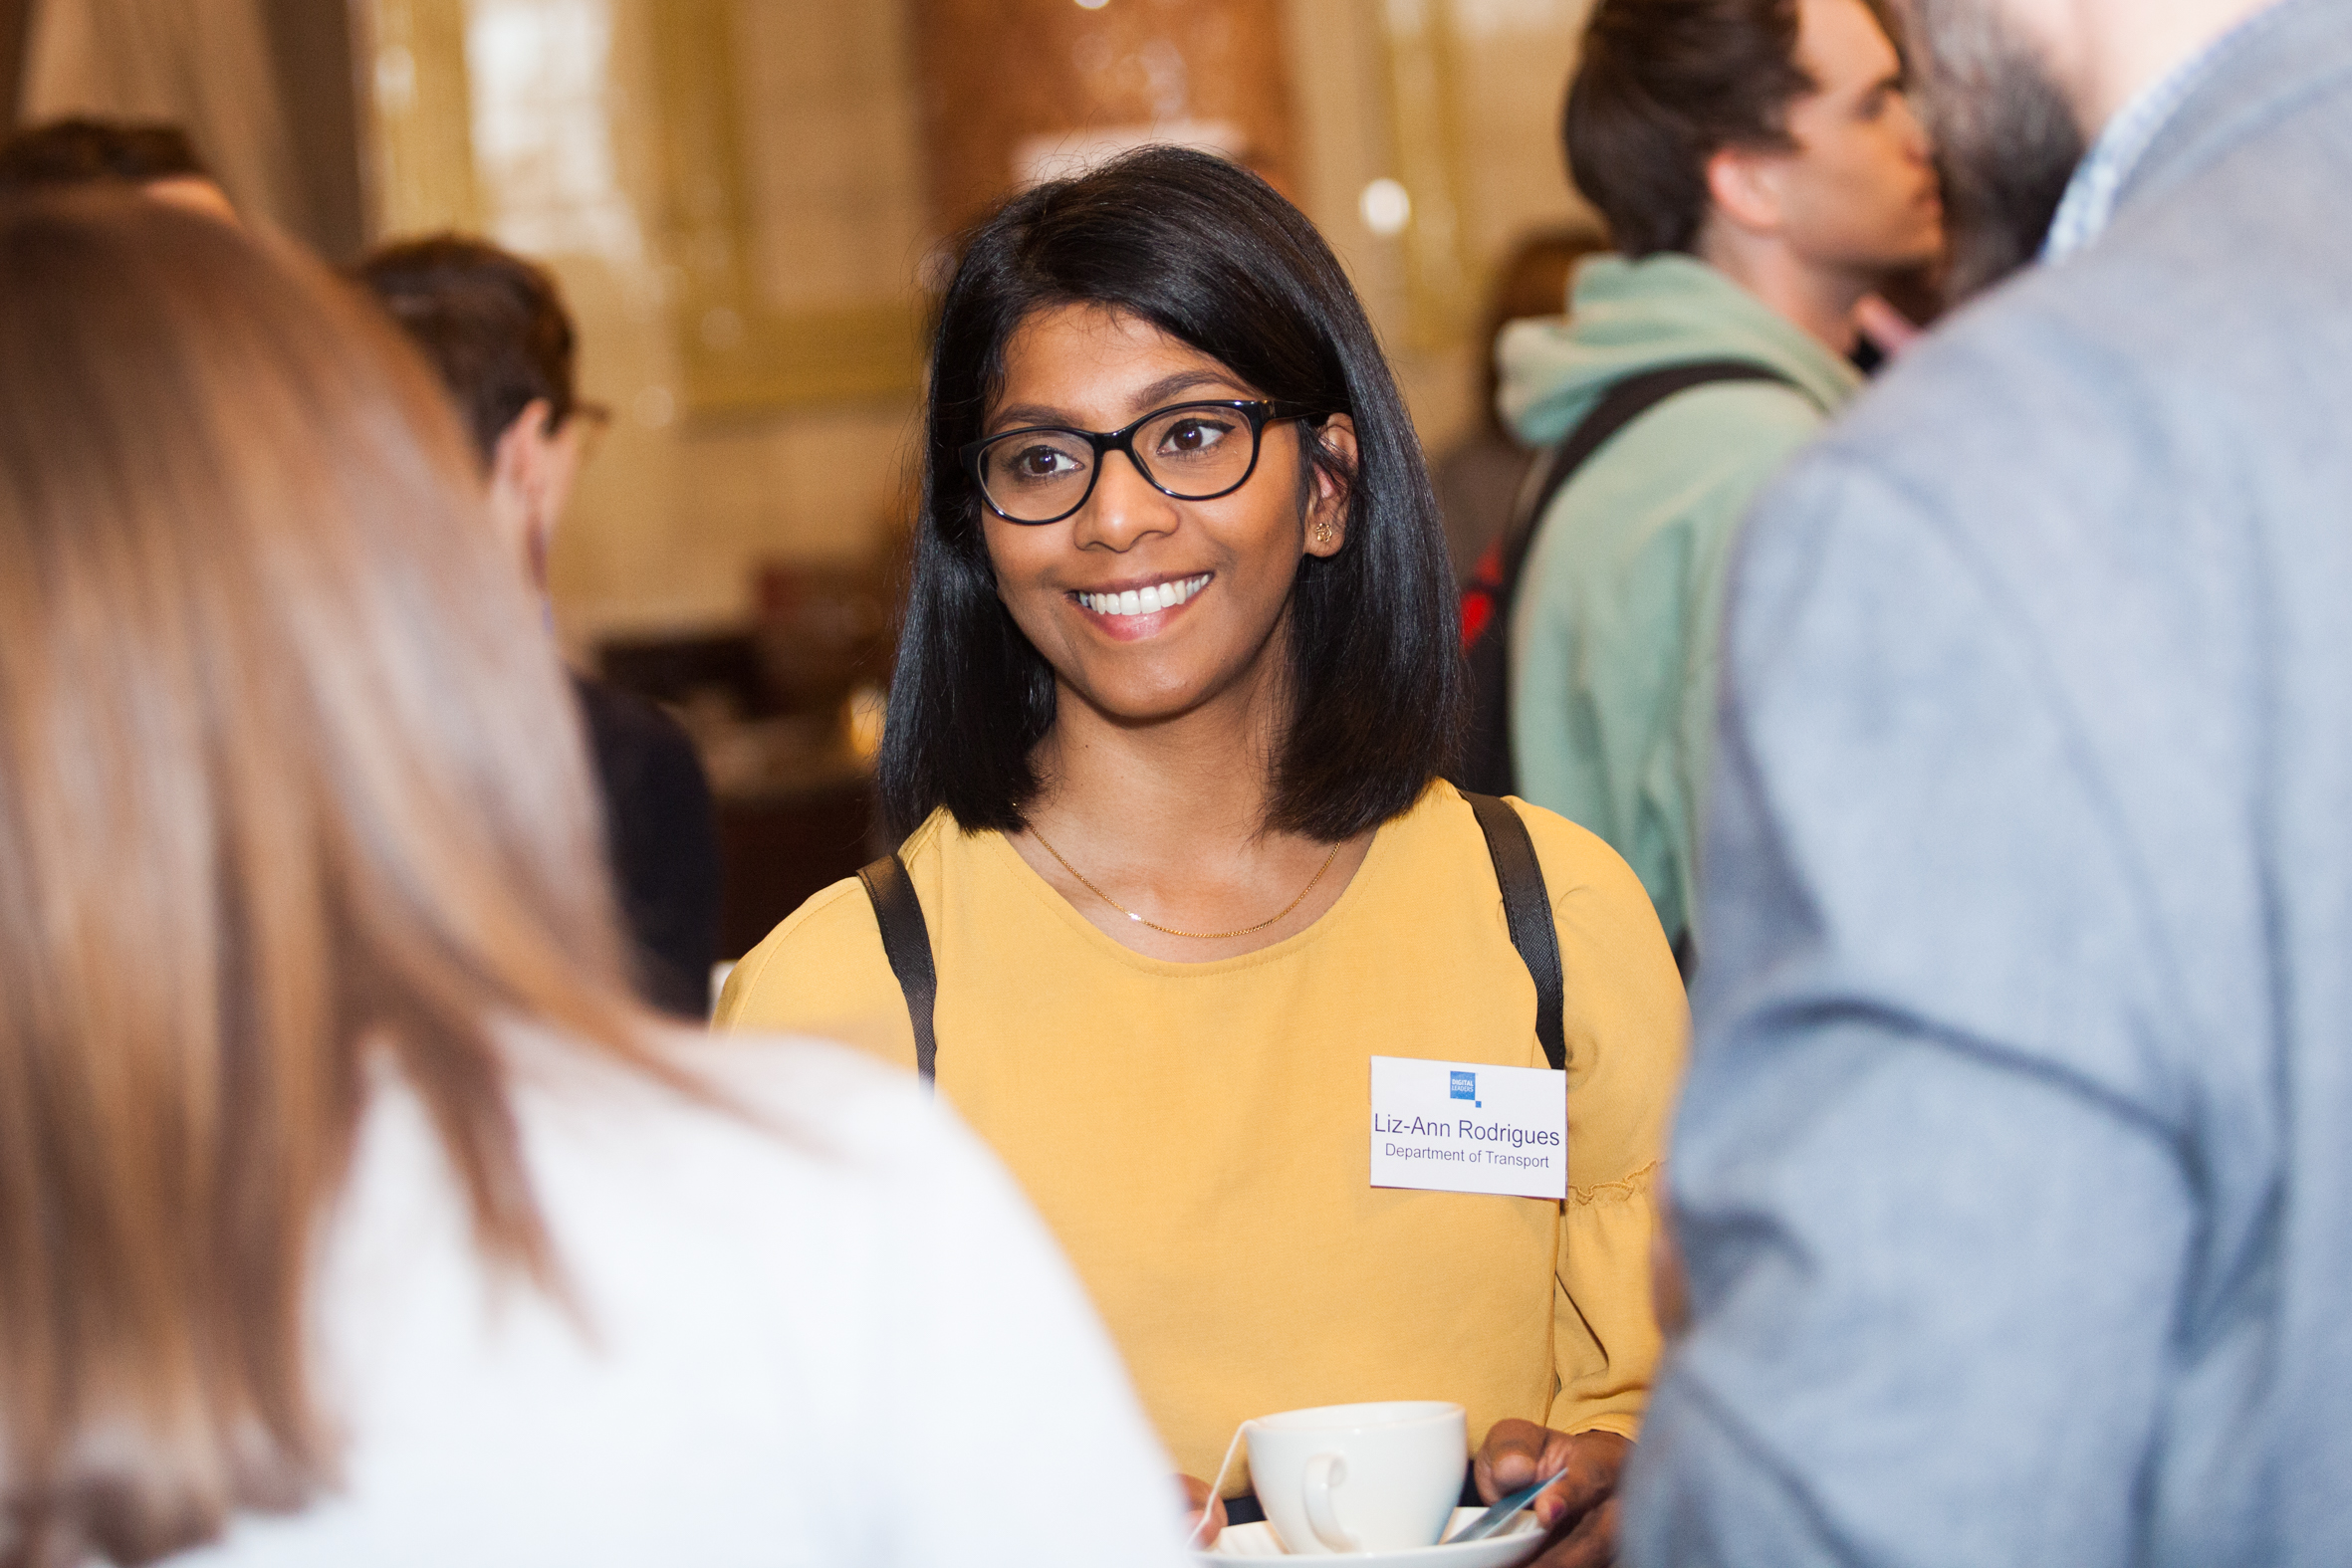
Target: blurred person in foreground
point(495, 327)
point(351, 1209)
point(158, 158)
point(2014, 1174)
point(1761, 172)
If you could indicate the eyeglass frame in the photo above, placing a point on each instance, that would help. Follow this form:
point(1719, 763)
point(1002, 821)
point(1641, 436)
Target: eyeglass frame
point(1260, 411)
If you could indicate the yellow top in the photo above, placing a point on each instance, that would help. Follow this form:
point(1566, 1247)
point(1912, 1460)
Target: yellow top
point(1197, 1135)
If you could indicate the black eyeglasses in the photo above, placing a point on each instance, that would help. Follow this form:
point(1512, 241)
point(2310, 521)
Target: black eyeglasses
point(1190, 451)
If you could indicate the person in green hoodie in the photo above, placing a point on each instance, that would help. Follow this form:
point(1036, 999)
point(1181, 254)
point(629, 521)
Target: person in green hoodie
point(1763, 175)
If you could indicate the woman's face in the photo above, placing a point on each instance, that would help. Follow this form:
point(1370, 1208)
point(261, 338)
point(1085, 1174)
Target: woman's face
point(1089, 367)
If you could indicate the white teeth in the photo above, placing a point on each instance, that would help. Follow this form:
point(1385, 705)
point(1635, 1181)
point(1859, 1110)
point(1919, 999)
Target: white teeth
point(1144, 601)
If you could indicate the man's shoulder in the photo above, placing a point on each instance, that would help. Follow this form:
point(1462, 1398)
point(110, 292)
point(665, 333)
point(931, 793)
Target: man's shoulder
point(610, 710)
point(2118, 444)
point(636, 744)
point(2168, 347)
point(2214, 315)
point(1698, 456)
point(1664, 499)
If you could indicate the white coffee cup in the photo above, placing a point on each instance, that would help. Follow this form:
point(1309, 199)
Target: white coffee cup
point(1338, 1479)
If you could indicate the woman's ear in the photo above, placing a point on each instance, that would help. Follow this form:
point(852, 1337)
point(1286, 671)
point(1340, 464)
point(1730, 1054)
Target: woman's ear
point(1327, 513)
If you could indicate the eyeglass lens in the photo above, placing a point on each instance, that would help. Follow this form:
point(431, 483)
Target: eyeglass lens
point(1193, 453)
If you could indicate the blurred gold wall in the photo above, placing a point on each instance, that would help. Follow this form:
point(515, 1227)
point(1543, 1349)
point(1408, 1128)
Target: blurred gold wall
point(1019, 89)
point(265, 89)
point(738, 198)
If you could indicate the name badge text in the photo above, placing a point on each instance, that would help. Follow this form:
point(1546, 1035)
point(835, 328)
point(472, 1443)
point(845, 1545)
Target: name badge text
point(1470, 1127)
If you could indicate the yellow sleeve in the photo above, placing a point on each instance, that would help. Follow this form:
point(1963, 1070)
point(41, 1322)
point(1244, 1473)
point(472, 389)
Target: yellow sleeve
point(1627, 1026)
point(824, 973)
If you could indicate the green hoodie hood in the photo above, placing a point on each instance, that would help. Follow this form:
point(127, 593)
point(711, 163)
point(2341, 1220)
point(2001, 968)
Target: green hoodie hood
point(1629, 317)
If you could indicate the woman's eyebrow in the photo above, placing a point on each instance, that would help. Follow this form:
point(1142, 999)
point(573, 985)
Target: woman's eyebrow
point(1019, 416)
point(1168, 387)
point(1015, 416)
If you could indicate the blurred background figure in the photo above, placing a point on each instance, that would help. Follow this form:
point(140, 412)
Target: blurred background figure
point(2015, 1171)
point(1762, 172)
point(1479, 481)
point(352, 1212)
point(2000, 207)
point(157, 158)
point(494, 325)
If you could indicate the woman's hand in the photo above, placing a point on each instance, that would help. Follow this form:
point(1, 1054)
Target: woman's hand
point(1200, 1536)
point(1520, 1452)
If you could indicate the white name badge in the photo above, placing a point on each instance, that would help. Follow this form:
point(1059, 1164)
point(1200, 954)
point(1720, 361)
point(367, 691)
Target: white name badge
point(1470, 1127)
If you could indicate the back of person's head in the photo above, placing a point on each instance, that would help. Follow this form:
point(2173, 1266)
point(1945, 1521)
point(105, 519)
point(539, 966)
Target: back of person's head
point(493, 325)
point(1213, 255)
point(289, 786)
point(1661, 86)
point(82, 151)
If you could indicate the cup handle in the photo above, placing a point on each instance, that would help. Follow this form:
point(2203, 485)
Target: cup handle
point(1325, 1472)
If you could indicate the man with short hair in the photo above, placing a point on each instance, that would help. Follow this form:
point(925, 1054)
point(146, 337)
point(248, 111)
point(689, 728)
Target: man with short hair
point(1761, 173)
point(494, 325)
point(2015, 1171)
point(158, 158)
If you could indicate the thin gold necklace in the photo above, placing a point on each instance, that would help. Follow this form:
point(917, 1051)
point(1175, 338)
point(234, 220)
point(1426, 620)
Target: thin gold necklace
point(1192, 936)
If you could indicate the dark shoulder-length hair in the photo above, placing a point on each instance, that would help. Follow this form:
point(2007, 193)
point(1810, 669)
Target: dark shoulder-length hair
point(1211, 255)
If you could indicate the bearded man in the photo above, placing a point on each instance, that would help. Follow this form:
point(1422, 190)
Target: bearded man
point(2014, 1174)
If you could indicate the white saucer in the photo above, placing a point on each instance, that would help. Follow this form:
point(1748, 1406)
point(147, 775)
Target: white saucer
point(1513, 1544)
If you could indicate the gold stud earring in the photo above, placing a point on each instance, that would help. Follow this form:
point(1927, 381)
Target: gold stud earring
point(1323, 532)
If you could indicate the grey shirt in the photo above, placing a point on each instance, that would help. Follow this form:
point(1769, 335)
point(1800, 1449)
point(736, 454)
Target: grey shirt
point(2015, 1171)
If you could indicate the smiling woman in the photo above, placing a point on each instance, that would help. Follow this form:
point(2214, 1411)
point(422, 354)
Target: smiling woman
point(1096, 303)
point(1091, 554)
point(1176, 685)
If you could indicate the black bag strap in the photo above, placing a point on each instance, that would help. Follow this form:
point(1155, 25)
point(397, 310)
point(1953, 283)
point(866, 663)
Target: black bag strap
point(1527, 910)
point(906, 940)
point(1487, 763)
point(1628, 401)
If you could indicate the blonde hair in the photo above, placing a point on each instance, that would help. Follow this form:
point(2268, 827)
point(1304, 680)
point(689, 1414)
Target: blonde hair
point(287, 777)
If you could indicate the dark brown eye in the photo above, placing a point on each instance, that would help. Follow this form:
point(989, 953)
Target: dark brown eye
point(1033, 462)
point(1193, 436)
point(1041, 462)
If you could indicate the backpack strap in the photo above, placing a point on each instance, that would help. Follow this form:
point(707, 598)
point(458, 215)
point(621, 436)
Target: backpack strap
point(1487, 764)
point(906, 940)
point(1628, 401)
point(1527, 910)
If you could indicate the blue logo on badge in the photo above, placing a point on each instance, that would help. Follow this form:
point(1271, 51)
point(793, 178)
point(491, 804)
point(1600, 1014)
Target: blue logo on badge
point(1465, 1085)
